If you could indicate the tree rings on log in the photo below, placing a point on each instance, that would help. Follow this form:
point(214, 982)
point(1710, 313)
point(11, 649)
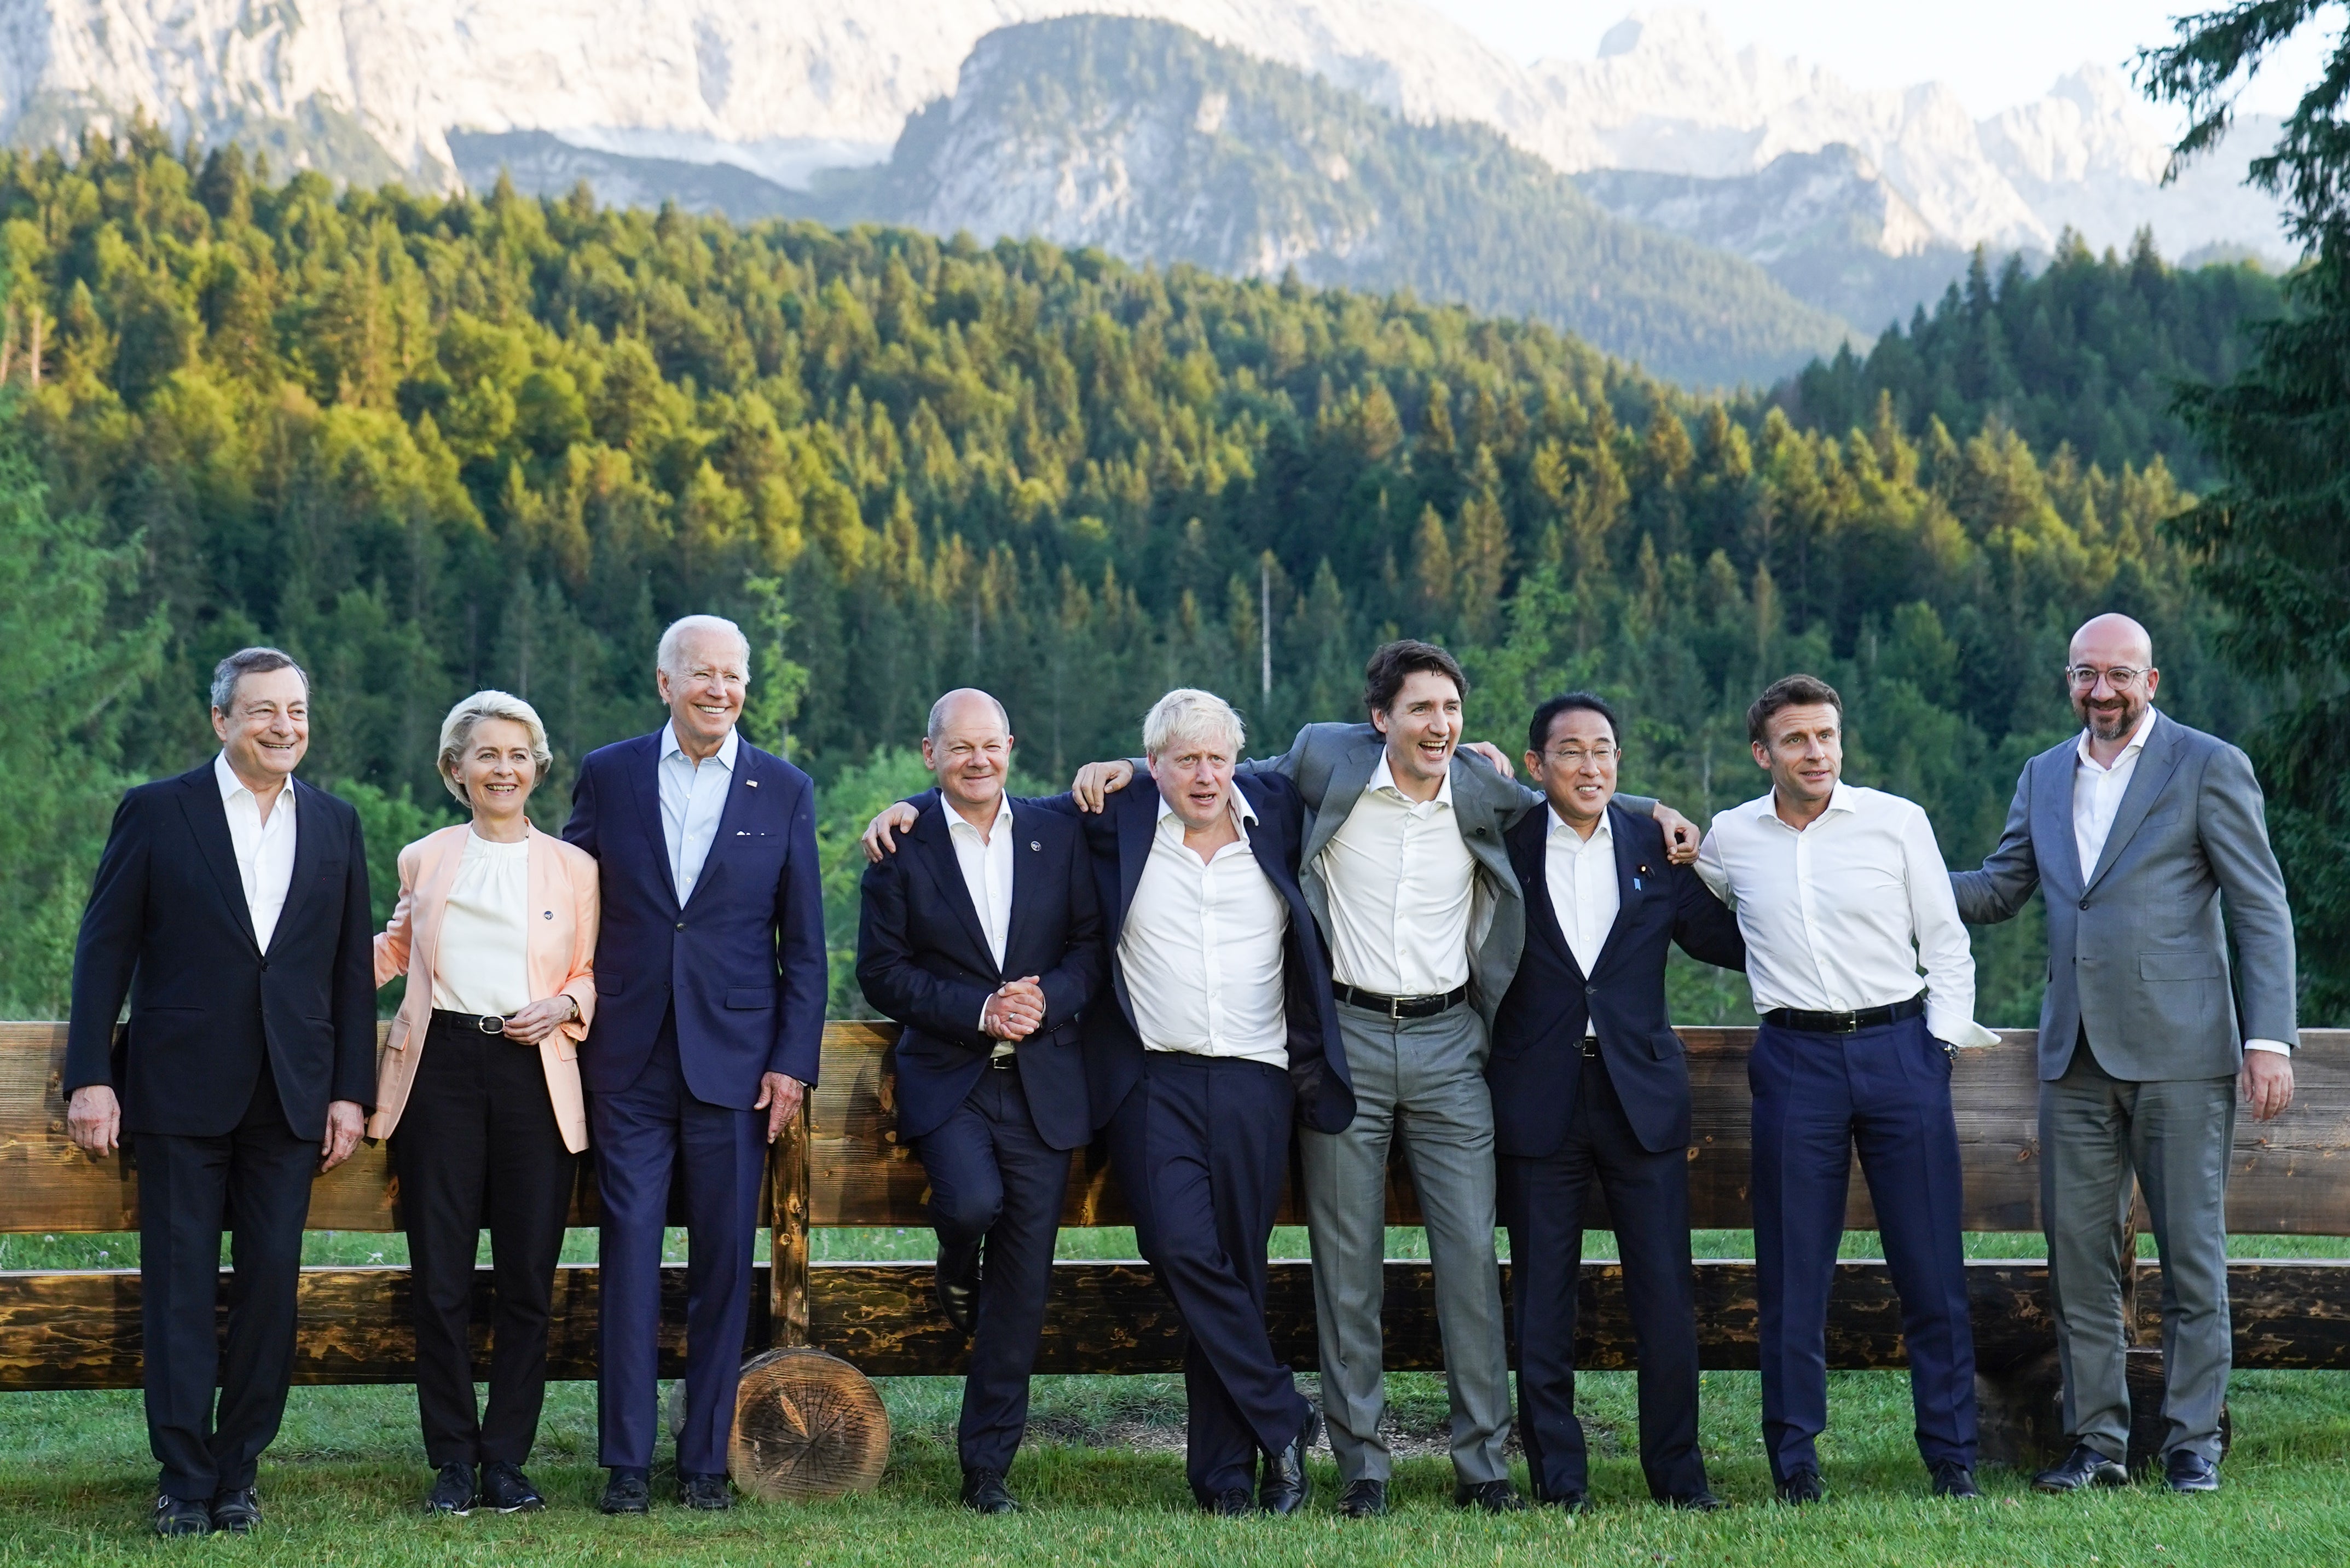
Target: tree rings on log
point(807, 1424)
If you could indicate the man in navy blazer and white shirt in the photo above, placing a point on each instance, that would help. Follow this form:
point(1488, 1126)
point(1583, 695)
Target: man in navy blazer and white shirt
point(710, 990)
point(982, 938)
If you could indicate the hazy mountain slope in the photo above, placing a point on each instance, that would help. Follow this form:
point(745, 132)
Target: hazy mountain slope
point(1152, 143)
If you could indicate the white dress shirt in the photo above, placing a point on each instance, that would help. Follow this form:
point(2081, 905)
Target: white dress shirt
point(1201, 949)
point(1841, 916)
point(264, 850)
point(2097, 792)
point(692, 798)
point(986, 867)
point(481, 963)
point(1401, 885)
point(1580, 874)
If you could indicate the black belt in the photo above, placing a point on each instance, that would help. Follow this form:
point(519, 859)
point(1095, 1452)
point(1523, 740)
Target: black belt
point(1398, 1008)
point(1845, 1022)
point(478, 1023)
point(1003, 1064)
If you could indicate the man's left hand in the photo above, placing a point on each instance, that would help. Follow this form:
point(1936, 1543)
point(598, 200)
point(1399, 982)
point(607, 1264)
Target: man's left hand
point(1681, 836)
point(344, 1121)
point(1491, 754)
point(2267, 1083)
point(779, 1095)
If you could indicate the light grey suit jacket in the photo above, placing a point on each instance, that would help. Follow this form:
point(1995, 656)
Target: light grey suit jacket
point(2137, 947)
point(1331, 765)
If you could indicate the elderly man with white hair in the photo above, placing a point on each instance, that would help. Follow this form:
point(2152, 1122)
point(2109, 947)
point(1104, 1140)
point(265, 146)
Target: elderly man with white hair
point(710, 987)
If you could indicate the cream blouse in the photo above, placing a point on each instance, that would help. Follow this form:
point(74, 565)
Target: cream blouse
point(479, 965)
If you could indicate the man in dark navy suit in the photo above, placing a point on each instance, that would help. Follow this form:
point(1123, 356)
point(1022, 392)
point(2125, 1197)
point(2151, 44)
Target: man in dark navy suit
point(982, 938)
point(231, 905)
point(709, 988)
point(1590, 1085)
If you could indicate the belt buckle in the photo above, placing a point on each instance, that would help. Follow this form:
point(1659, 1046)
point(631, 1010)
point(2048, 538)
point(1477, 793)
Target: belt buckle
point(1395, 1010)
point(488, 1024)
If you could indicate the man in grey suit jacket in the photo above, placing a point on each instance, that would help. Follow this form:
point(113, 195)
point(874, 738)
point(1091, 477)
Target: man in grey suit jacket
point(1406, 872)
point(2143, 833)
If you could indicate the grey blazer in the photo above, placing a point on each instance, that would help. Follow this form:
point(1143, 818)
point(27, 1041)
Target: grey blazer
point(2137, 947)
point(1331, 765)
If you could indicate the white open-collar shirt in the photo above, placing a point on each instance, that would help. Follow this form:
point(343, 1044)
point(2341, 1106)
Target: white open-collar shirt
point(986, 868)
point(1402, 885)
point(264, 850)
point(692, 798)
point(1579, 874)
point(1842, 914)
point(1200, 951)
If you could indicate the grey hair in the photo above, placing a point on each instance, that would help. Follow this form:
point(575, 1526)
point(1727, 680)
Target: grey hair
point(1188, 713)
point(457, 734)
point(673, 640)
point(938, 725)
point(247, 662)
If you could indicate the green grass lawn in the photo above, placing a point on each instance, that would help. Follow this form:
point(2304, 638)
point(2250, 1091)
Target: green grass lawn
point(1102, 1476)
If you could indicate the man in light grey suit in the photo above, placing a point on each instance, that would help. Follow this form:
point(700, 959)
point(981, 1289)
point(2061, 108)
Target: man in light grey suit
point(2144, 833)
point(1406, 871)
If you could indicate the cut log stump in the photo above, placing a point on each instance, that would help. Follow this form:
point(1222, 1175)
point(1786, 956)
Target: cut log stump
point(807, 1424)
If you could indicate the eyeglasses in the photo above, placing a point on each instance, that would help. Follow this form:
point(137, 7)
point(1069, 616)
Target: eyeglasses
point(2121, 677)
point(1572, 756)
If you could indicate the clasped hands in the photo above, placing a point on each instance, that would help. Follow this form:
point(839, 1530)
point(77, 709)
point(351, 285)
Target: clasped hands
point(1016, 1011)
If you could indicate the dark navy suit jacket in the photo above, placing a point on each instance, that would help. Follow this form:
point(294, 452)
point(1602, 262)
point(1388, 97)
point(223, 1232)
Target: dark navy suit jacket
point(1120, 836)
point(922, 959)
point(743, 961)
point(1537, 1056)
point(210, 1011)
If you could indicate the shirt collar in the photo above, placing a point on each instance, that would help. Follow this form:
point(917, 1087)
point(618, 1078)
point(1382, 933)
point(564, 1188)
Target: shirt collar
point(1243, 812)
point(956, 819)
point(1604, 833)
point(1383, 777)
point(726, 748)
point(2137, 743)
point(231, 786)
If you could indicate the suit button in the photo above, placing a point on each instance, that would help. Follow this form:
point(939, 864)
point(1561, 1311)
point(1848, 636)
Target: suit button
point(681, 925)
point(1590, 990)
point(2085, 903)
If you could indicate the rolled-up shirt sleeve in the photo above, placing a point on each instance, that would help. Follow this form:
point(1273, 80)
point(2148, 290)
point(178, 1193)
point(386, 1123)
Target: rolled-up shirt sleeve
point(1709, 871)
point(1943, 949)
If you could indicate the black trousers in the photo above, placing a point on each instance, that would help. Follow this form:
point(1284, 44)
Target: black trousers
point(255, 1182)
point(993, 1176)
point(1202, 1147)
point(478, 1144)
point(1542, 1202)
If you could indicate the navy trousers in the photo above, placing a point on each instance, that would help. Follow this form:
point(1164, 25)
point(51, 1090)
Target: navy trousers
point(1201, 1149)
point(1542, 1199)
point(1885, 1091)
point(995, 1180)
point(649, 1134)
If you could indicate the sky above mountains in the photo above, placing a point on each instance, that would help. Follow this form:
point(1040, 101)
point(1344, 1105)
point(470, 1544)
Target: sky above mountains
point(1993, 53)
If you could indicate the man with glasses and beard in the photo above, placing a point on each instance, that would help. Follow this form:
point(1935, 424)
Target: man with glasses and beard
point(2143, 833)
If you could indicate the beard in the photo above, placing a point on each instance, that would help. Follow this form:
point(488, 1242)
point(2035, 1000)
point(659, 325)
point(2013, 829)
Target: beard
point(2112, 723)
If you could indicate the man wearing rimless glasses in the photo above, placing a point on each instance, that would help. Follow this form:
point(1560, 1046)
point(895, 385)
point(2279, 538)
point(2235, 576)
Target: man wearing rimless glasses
point(2143, 833)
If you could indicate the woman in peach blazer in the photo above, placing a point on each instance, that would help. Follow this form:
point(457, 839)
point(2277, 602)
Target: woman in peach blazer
point(477, 1087)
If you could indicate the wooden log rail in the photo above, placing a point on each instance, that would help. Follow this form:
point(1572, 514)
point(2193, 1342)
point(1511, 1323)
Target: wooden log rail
point(842, 1164)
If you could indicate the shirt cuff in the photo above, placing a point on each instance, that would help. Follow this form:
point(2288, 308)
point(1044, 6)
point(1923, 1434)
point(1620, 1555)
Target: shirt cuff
point(1956, 1030)
point(2279, 1046)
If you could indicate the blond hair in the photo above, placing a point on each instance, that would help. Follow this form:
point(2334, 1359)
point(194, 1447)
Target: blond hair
point(457, 734)
point(1188, 713)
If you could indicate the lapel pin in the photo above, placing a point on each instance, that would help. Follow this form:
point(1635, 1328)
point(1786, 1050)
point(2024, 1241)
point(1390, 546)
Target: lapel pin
point(550, 914)
point(750, 784)
point(1034, 844)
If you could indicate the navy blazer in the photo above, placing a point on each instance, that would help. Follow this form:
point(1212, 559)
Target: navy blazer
point(1120, 836)
point(167, 923)
point(741, 961)
point(1537, 1056)
point(922, 959)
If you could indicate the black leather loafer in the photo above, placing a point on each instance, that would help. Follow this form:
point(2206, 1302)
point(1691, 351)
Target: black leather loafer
point(237, 1512)
point(183, 1515)
point(1953, 1479)
point(957, 1277)
point(1233, 1502)
point(2186, 1471)
point(1286, 1486)
point(1699, 1502)
point(983, 1491)
point(1803, 1486)
point(508, 1490)
point(2084, 1466)
point(707, 1493)
point(626, 1493)
point(453, 1492)
point(1564, 1502)
point(1364, 1499)
point(1492, 1497)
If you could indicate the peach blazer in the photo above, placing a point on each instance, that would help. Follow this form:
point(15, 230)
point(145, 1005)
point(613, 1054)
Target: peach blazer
point(559, 954)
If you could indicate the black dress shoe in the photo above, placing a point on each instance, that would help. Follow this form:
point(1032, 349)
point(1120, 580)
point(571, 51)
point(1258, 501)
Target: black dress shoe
point(2188, 1471)
point(1286, 1486)
point(508, 1490)
point(1698, 1501)
point(183, 1515)
point(237, 1512)
point(958, 1284)
point(1364, 1499)
point(1803, 1486)
point(1565, 1502)
point(1492, 1497)
point(453, 1492)
point(627, 1492)
point(1233, 1502)
point(1953, 1479)
point(2084, 1466)
point(983, 1491)
point(707, 1493)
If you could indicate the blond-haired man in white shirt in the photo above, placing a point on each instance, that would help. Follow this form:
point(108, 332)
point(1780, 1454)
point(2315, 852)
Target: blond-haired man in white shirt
point(1842, 898)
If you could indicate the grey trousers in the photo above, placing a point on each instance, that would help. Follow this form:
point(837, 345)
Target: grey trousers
point(1425, 1078)
point(2096, 1132)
